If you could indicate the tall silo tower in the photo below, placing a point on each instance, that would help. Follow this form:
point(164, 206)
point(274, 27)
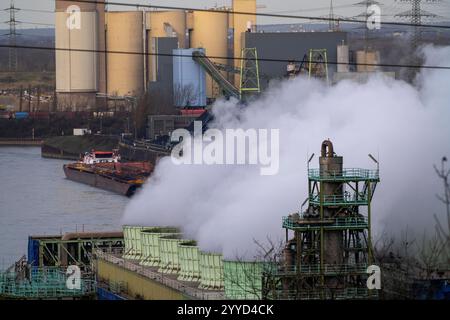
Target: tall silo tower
point(209, 30)
point(80, 68)
point(125, 53)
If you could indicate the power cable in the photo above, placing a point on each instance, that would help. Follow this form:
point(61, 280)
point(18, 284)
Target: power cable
point(225, 58)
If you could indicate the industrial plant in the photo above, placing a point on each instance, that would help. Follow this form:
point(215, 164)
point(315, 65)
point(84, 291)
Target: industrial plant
point(194, 57)
point(125, 80)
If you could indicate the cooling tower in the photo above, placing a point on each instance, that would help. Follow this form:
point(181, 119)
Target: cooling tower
point(79, 33)
point(210, 31)
point(125, 58)
point(151, 255)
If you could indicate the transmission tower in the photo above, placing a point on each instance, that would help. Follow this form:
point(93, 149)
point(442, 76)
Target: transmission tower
point(366, 4)
point(333, 23)
point(415, 15)
point(249, 83)
point(318, 64)
point(12, 36)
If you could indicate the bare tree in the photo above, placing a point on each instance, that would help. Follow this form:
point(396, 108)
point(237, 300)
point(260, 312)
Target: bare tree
point(184, 96)
point(442, 231)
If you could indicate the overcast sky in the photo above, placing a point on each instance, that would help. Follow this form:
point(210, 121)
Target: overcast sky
point(314, 8)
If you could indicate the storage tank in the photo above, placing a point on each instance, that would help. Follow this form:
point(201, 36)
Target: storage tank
point(125, 71)
point(211, 271)
point(168, 250)
point(342, 58)
point(243, 279)
point(78, 26)
point(210, 31)
point(367, 57)
point(150, 244)
point(189, 80)
point(189, 256)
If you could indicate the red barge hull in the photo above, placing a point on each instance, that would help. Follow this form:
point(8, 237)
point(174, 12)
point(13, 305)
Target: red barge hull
point(107, 177)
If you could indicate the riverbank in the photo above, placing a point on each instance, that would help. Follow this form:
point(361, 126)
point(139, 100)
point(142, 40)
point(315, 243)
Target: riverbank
point(70, 147)
point(20, 142)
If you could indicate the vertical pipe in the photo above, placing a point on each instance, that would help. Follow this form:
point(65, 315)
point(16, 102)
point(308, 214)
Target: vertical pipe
point(29, 98)
point(21, 97)
point(369, 232)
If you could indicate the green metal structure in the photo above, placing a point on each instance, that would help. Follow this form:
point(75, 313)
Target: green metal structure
point(132, 238)
point(168, 249)
point(243, 279)
point(54, 251)
point(211, 271)
point(189, 256)
point(150, 244)
point(318, 64)
point(331, 249)
point(42, 283)
point(249, 82)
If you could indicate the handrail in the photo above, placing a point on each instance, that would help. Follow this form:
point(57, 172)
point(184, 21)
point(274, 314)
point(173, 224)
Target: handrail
point(344, 174)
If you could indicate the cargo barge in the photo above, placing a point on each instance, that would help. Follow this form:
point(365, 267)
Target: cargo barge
point(105, 171)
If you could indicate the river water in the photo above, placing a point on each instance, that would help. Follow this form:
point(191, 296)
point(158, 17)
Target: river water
point(37, 199)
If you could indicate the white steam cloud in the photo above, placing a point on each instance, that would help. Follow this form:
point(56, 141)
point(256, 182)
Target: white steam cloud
point(226, 207)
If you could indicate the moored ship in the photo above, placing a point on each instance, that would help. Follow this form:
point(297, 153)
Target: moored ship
point(103, 169)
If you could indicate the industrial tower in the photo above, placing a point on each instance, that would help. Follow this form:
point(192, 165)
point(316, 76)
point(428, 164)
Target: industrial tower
point(331, 249)
point(249, 80)
point(12, 36)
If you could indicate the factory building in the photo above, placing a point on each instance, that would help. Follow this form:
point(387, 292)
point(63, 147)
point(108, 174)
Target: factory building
point(133, 46)
point(285, 46)
point(121, 55)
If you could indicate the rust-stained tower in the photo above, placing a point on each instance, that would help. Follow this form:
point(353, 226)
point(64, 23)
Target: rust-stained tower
point(331, 249)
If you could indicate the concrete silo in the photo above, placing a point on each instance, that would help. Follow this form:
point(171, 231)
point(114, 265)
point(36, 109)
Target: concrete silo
point(79, 33)
point(343, 58)
point(160, 24)
point(125, 53)
point(209, 30)
point(367, 61)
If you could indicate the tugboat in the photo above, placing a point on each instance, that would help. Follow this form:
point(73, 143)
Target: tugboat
point(103, 169)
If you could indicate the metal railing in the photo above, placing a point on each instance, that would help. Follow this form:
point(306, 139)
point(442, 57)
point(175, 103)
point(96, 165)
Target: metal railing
point(350, 174)
point(41, 283)
point(344, 199)
point(328, 269)
point(324, 294)
point(327, 223)
point(190, 291)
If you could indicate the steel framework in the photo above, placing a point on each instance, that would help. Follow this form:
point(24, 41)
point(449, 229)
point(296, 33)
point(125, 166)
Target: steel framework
point(331, 249)
point(249, 83)
point(318, 64)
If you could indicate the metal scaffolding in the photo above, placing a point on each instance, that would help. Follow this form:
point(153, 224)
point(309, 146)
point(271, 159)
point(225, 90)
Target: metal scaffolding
point(331, 249)
point(249, 83)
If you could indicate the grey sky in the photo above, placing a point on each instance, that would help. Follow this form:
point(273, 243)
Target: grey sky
point(314, 8)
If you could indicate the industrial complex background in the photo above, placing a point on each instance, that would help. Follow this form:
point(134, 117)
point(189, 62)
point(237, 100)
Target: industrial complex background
point(108, 64)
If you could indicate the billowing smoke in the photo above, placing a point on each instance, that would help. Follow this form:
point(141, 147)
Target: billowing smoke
point(226, 207)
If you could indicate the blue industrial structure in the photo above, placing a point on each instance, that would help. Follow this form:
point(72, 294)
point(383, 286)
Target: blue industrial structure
point(189, 80)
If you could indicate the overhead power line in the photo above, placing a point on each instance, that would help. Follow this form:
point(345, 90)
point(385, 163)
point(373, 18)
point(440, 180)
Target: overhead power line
point(225, 58)
point(260, 14)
